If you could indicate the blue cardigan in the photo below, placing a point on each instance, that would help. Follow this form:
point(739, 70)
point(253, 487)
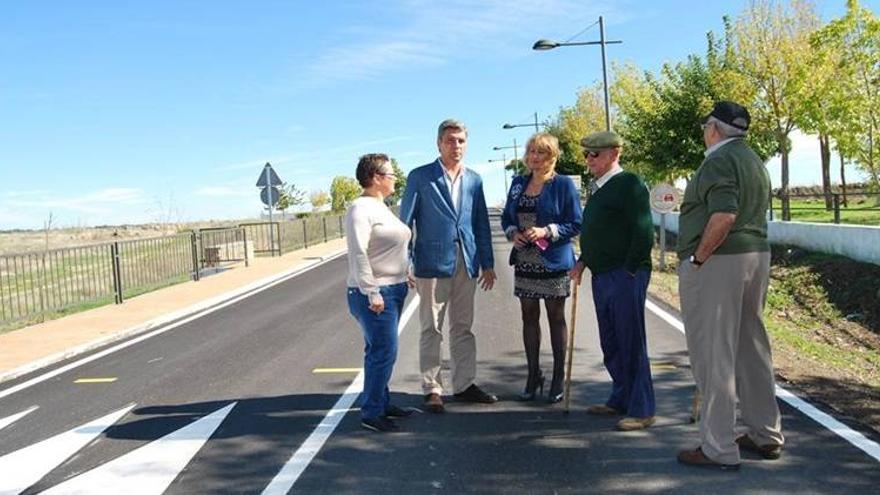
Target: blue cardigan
point(559, 203)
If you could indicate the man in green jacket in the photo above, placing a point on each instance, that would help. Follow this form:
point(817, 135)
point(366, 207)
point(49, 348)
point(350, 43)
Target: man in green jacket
point(723, 278)
point(616, 239)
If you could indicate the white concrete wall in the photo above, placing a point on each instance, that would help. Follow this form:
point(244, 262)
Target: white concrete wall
point(858, 242)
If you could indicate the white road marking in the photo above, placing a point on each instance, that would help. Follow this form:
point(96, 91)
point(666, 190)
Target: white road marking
point(8, 420)
point(246, 291)
point(300, 460)
point(23, 468)
point(853, 437)
point(149, 469)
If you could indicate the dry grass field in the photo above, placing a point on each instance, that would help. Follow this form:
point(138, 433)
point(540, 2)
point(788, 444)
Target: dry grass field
point(22, 241)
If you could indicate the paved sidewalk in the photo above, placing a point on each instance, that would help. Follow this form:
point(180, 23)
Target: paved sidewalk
point(34, 347)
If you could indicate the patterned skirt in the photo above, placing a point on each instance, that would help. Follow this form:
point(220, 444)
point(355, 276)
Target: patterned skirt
point(532, 280)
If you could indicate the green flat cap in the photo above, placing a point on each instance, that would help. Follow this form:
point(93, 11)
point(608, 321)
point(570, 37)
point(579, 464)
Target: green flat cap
point(602, 140)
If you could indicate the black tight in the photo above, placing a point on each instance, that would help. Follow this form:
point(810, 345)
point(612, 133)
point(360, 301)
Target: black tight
point(531, 315)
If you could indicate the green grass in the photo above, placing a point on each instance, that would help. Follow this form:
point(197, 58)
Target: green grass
point(861, 210)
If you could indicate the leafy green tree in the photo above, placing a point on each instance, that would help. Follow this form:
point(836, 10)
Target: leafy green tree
point(852, 43)
point(399, 183)
point(343, 190)
point(770, 40)
point(318, 199)
point(570, 125)
point(289, 197)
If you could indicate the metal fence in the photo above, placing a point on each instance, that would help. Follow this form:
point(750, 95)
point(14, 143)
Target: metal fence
point(55, 282)
point(59, 281)
point(861, 208)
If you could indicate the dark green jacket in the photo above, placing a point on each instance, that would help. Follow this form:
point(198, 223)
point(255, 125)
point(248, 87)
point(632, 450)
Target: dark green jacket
point(732, 179)
point(617, 230)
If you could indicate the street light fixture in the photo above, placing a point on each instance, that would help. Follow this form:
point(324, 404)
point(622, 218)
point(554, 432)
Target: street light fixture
point(503, 160)
point(511, 126)
point(542, 45)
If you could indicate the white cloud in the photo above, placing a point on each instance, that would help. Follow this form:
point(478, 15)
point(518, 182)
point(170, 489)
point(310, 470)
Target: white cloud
point(100, 201)
point(435, 33)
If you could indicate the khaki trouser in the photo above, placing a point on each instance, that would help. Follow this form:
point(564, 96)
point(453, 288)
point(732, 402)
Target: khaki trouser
point(454, 296)
point(722, 304)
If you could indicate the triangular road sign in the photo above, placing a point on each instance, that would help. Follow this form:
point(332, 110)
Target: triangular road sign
point(273, 179)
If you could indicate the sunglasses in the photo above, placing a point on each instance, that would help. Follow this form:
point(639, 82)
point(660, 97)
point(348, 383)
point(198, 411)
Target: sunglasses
point(591, 153)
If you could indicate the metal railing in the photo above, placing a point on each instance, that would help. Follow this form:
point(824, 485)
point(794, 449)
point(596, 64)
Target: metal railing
point(862, 208)
point(35, 285)
point(59, 281)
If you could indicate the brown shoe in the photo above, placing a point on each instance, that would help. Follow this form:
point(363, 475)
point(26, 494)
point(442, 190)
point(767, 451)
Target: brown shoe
point(602, 410)
point(698, 458)
point(433, 403)
point(771, 451)
point(633, 424)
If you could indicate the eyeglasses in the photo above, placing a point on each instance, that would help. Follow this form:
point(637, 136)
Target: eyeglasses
point(387, 175)
point(704, 126)
point(591, 153)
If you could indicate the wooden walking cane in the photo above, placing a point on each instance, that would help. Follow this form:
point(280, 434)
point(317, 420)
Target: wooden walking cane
point(570, 350)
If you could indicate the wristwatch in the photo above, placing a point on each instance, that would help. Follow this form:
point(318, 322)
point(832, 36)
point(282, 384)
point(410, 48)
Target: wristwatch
point(694, 261)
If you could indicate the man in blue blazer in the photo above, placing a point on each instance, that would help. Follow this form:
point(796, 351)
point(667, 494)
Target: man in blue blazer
point(451, 251)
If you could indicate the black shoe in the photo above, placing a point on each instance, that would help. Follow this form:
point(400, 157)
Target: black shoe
point(556, 394)
point(534, 386)
point(474, 394)
point(380, 424)
point(393, 411)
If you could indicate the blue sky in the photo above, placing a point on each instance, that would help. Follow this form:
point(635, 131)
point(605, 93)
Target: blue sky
point(117, 112)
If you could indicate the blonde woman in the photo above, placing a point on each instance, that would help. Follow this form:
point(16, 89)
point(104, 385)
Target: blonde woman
point(541, 217)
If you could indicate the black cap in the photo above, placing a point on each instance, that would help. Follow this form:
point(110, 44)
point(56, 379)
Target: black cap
point(732, 114)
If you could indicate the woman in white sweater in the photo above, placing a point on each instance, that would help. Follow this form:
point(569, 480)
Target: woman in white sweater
point(377, 285)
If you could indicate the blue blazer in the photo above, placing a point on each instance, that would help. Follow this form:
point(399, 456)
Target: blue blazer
point(558, 203)
point(427, 209)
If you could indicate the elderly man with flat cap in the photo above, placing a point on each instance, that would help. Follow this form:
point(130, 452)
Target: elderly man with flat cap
point(616, 239)
point(723, 277)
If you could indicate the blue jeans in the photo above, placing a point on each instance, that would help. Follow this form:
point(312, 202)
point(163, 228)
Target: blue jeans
point(380, 344)
point(620, 311)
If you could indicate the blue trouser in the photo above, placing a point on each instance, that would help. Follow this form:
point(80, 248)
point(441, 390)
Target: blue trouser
point(380, 344)
point(620, 310)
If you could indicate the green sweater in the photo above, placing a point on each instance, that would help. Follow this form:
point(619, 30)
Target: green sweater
point(732, 179)
point(617, 230)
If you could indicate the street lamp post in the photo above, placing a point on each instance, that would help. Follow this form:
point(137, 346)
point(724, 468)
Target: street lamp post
point(515, 158)
point(549, 45)
point(511, 126)
point(503, 161)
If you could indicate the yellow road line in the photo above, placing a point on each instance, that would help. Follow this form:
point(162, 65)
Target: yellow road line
point(336, 370)
point(95, 380)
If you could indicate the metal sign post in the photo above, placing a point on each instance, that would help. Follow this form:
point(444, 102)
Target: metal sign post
point(269, 195)
point(664, 199)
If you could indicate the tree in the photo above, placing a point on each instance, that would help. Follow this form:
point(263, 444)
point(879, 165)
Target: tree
point(399, 183)
point(571, 124)
point(658, 117)
point(289, 197)
point(770, 41)
point(343, 190)
point(318, 199)
point(853, 45)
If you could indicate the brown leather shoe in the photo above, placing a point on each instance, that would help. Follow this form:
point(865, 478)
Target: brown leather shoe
point(771, 451)
point(602, 410)
point(633, 424)
point(698, 458)
point(433, 403)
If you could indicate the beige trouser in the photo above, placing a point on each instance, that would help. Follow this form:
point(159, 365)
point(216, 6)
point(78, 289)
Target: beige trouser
point(454, 296)
point(722, 304)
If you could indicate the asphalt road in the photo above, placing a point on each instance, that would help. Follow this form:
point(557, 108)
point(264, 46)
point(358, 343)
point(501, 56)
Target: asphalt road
point(219, 405)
